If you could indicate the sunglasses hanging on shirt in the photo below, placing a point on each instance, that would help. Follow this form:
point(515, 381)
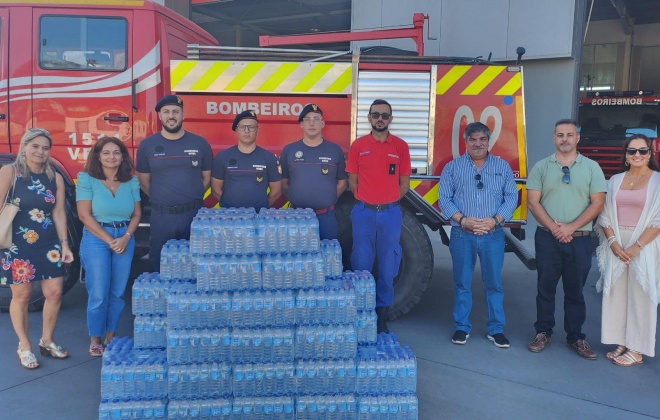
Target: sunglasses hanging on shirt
point(480, 185)
point(566, 179)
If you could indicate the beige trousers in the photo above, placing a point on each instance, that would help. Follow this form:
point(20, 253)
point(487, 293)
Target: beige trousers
point(629, 316)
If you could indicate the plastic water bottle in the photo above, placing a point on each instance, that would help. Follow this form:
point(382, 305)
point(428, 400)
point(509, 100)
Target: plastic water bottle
point(282, 236)
point(269, 234)
point(251, 245)
point(196, 237)
point(318, 270)
point(137, 297)
point(268, 266)
point(260, 230)
point(289, 271)
point(278, 271)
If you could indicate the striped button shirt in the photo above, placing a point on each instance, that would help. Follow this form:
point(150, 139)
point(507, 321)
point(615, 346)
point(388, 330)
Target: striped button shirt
point(458, 190)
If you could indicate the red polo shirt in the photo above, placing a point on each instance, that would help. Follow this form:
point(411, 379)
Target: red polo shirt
point(378, 167)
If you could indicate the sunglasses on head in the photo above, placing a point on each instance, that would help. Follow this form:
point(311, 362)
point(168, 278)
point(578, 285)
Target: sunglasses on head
point(643, 151)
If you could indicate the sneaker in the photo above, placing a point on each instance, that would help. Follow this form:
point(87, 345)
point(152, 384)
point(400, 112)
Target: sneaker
point(499, 340)
point(581, 347)
point(460, 337)
point(538, 344)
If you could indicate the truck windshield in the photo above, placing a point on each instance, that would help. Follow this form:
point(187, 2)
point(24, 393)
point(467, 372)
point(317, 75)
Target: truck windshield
point(610, 125)
point(78, 42)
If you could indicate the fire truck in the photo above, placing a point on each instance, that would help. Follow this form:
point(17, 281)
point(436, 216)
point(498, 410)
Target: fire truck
point(92, 71)
point(607, 118)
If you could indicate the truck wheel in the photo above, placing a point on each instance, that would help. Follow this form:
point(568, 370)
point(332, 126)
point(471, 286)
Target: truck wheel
point(416, 266)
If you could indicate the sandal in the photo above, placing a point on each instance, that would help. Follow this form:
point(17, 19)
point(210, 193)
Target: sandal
point(52, 350)
point(628, 359)
point(618, 351)
point(26, 358)
point(96, 350)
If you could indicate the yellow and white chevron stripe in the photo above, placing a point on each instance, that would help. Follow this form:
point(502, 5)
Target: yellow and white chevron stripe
point(261, 77)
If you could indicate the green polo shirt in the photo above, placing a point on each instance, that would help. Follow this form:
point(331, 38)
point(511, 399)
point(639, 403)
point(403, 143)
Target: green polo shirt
point(565, 202)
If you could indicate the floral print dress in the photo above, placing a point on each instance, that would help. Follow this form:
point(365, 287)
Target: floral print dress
point(35, 252)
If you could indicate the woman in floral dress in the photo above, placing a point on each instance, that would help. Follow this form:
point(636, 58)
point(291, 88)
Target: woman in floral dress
point(40, 247)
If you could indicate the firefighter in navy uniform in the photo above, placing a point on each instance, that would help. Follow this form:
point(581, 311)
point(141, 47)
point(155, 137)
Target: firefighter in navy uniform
point(246, 175)
point(314, 171)
point(379, 175)
point(174, 170)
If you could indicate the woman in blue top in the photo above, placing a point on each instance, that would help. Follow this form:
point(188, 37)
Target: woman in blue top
point(108, 197)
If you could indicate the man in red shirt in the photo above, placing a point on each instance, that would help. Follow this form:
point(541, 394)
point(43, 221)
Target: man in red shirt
point(379, 176)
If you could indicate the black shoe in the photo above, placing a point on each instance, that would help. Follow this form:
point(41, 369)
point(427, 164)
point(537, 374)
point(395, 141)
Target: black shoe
point(499, 340)
point(460, 337)
point(381, 324)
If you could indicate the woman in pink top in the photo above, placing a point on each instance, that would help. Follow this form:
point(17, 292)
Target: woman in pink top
point(628, 255)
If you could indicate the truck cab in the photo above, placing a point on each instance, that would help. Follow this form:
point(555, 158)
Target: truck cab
point(84, 72)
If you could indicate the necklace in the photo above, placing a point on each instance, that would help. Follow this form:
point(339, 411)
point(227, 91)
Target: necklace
point(108, 184)
point(634, 178)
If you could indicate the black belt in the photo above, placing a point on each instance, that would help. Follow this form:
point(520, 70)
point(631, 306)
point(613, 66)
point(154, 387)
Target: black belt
point(378, 207)
point(114, 224)
point(178, 209)
point(576, 234)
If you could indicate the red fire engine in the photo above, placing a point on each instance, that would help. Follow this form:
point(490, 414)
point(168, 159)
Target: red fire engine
point(608, 118)
point(86, 72)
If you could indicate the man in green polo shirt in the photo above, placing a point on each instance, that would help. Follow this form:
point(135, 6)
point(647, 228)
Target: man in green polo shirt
point(565, 193)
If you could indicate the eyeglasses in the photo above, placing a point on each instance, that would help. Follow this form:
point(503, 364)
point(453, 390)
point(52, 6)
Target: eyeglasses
point(377, 115)
point(312, 119)
point(480, 185)
point(249, 128)
point(643, 151)
point(566, 179)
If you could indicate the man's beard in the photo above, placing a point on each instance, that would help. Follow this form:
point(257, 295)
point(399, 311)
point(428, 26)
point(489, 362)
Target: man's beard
point(173, 130)
point(380, 130)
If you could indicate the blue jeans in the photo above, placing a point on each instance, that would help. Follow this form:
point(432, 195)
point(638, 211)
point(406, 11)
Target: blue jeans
point(571, 262)
point(377, 234)
point(106, 276)
point(328, 226)
point(464, 248)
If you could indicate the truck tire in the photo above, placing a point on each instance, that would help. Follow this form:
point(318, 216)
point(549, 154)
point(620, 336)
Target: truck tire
point(416, 267)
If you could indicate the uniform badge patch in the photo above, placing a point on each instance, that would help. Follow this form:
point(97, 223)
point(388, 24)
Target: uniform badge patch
point(324, 171)
point(195, 163)
point(298, 154)
point(260, 178)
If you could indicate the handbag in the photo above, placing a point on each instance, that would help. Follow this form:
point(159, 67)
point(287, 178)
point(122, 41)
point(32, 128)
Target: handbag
point(7, 214)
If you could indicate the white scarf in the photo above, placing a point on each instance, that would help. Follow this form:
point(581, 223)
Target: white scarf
point(645, 268)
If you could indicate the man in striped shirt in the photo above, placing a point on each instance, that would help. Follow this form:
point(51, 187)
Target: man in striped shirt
point(478, 193)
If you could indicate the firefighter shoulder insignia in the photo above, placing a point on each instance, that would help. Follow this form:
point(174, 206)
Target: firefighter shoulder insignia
point(260, 178)
point(298, 154)
point(324, 171)
point(195, 163)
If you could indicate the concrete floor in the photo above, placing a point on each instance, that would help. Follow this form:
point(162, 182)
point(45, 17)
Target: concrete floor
point(474, 381)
